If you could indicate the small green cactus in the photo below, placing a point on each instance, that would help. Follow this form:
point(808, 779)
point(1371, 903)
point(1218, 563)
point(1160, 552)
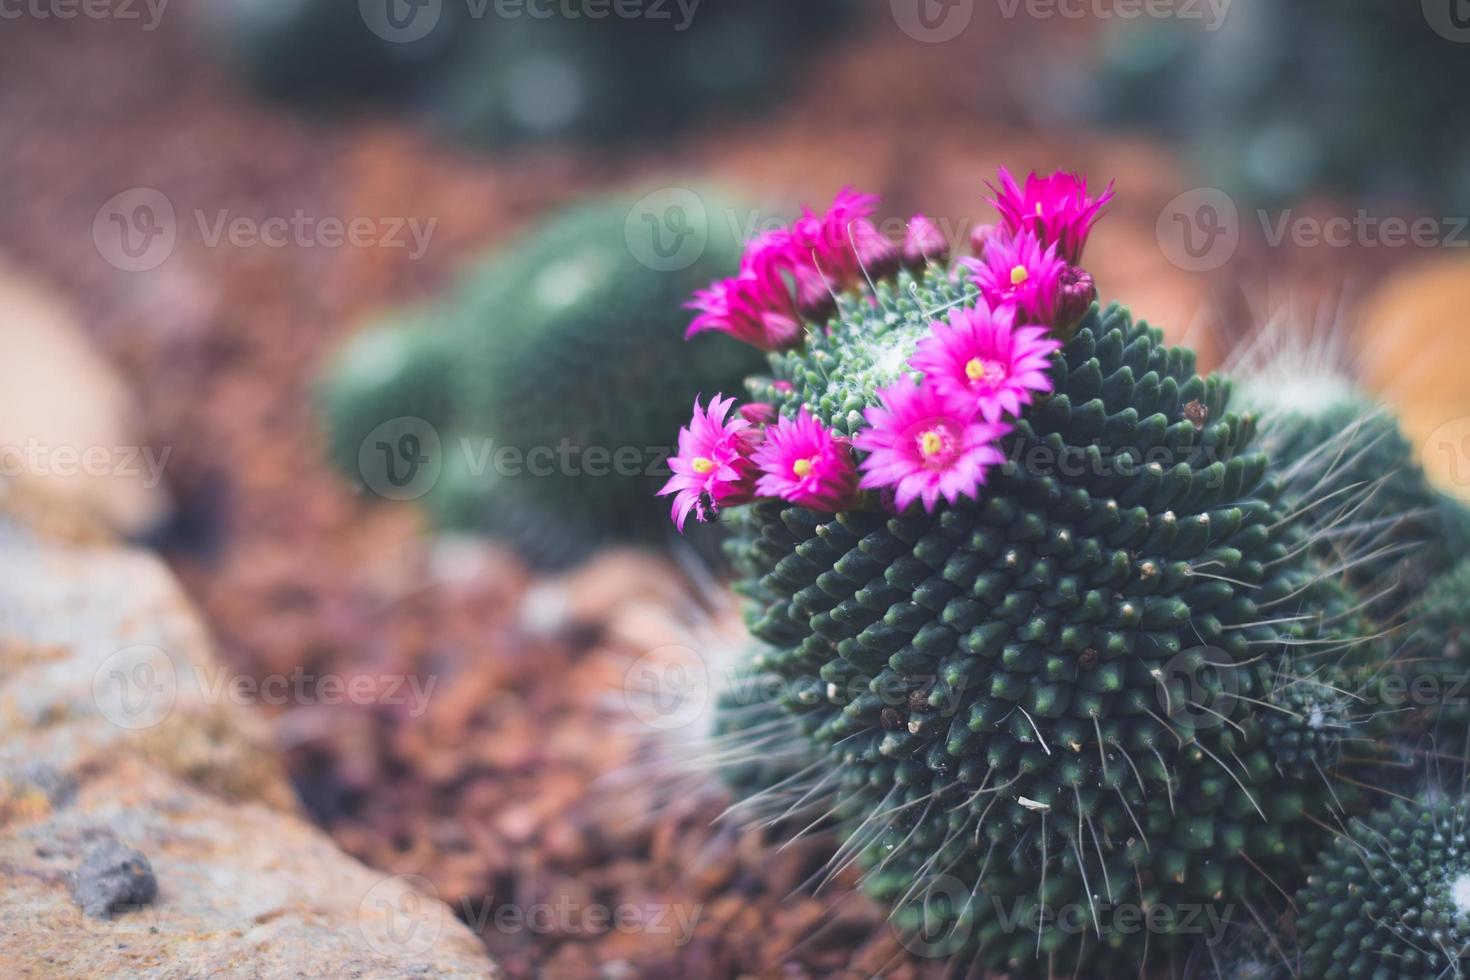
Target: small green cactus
point(551, 376)
point(1390, 898)
point(1332, 439)
point(1070, 643)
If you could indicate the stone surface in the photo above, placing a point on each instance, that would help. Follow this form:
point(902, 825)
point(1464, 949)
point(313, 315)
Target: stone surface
point(145, 830)
point(113, 878)
point(66, 419)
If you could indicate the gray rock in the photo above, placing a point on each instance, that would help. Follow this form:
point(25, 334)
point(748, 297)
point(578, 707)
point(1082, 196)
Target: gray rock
point(113, 878)
point(129, 782)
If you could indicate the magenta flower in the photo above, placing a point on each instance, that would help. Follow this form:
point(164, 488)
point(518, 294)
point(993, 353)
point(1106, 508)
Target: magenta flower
point(926, 445)
point(923, 243)
point(802, 462)
point(758, 413)
point(713, 467)
point(1078, 293)
point(756, 310)
point(980, 236)
point(839, 243)
point(1016, 272)
point(983, 359)
point(1056, 209)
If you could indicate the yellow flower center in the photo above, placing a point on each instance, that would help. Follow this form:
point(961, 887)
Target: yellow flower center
point(802, 467)
point(931, 442)
point(1038, 209)
point(1019, 275)
point(981, 369)
point(703, 464)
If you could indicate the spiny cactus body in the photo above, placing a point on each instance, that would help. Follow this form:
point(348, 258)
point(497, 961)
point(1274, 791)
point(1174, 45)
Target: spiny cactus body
point(1026, 682)
point(551, 381)
point(1321, 431)
point(1391, 898)
point(1104, 666)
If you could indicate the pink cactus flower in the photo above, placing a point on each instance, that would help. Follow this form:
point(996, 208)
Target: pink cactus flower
point(802, 462)
point(923, 243)
point(926, 445)
point(1016, 272)
point(980, 236)
point(758, 413)
point(1078, 293)
point(983, 359)
point(713, 468)
point(1055, 208)
point(756, 310)
point(839, 243)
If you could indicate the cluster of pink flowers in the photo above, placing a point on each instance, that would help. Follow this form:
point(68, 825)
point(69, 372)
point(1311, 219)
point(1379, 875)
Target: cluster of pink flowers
point(926, 440)
point(793, 274)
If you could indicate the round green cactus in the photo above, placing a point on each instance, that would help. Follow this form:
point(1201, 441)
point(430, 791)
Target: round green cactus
point(1045, 691)
point(1347, 452)
point(1115, 675)
point(1391, 897)
point(1431, 677)
point(394, 367)
point(552, 377)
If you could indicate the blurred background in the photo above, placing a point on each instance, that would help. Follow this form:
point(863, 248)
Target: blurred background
point(292, 274)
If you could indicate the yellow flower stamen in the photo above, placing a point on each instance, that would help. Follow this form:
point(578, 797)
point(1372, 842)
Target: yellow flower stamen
point(930, 443)
point(703, 465)
point(802, 467)
point(978, 369)
point(1019, 275)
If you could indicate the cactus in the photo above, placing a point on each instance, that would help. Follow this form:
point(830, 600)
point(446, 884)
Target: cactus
point(552, 376)
point(1321, 431)
point(1431, 677)
point(1060, 638)
point(543, 70)
point(1391, 897)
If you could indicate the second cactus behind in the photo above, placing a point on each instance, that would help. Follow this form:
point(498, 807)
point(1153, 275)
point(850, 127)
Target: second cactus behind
point(552, 376)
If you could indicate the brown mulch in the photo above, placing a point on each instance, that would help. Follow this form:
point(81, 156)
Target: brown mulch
point(498, 792)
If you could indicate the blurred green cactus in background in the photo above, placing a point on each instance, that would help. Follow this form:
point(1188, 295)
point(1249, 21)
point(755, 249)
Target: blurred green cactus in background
point(551, 376)
point(1277, 100)
point(502, 72)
